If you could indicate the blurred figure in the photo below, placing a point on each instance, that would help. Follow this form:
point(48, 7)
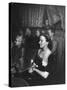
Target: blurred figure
point(37, 33)
point(17, 51)
point(58, 52)
point(36, 45)
point(47, 24)
point(31, 47)
point(37, 36)
point(51, 34)
point(19, 39)
point(28, 32)
point(43, 31)
point(28, 48)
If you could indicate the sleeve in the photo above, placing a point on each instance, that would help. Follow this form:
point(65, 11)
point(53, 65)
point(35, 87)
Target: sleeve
point(51, 64)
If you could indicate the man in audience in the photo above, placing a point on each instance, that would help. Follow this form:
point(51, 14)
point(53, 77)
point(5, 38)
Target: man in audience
point(58, 52)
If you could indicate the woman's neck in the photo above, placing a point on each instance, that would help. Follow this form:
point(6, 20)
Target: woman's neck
point(45, 47)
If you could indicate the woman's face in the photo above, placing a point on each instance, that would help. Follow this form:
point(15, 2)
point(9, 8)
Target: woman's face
point(42, 41)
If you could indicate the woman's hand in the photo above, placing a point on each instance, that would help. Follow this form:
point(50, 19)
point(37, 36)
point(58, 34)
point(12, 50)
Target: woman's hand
point(44, 63)
point(31, 69)
point(45, 74)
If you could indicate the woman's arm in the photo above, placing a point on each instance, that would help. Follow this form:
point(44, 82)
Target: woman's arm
point(45, 58)
point(44, 74)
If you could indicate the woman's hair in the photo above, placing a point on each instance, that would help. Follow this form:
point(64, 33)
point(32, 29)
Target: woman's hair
point(48, 40)
point(46, 36)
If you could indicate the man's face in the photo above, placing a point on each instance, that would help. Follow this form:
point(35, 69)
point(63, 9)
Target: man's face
point(37, 33)
point(50, 33)
point(28, 32)
point(18, 40)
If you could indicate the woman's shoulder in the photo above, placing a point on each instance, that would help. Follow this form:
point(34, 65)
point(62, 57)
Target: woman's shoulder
point(48, 51)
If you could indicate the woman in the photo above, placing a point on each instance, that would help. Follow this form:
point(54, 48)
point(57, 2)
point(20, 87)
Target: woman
point(43, 53)
point(43, 65)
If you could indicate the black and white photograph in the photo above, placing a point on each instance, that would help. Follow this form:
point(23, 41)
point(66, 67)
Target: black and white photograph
point(36, 44)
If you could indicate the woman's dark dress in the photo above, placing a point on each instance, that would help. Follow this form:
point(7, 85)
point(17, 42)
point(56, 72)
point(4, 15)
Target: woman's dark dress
point(36, 79)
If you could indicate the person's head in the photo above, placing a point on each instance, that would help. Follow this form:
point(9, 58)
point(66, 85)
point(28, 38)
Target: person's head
point(51, 32)
point(37, 33)
point(28, 32)
point(44, 40)
point(18, 40)
point(43, 31)
point(47, 22)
